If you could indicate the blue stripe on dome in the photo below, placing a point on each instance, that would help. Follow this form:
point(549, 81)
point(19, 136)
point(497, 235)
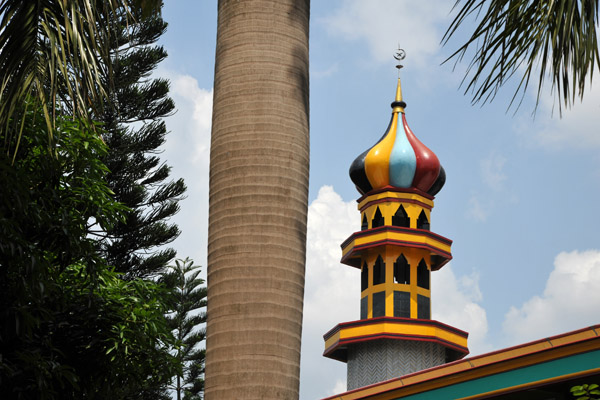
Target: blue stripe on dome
point(403, 161)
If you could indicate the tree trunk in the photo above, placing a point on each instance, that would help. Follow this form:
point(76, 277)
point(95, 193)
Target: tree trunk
point(258, 200)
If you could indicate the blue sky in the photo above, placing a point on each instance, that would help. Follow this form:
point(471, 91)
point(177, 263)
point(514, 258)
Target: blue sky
point(520, 202)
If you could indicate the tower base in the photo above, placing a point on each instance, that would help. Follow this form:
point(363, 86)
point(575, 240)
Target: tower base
point(376, 361)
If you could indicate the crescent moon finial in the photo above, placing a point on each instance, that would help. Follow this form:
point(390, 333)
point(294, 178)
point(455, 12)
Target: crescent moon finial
point(399, 55)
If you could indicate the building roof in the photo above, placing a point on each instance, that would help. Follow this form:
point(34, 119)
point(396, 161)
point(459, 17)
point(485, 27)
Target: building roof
point(546, 363)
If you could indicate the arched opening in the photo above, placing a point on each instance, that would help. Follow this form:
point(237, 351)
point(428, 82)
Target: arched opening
point(401, 218)
point(364, 277)
point(379, 271)
point(365, 223)
point(377, 219)
point(423, 222)
point(402, 270)
point(423, 275)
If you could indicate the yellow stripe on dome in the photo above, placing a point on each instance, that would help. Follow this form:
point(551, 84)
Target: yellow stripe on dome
point(377, 161)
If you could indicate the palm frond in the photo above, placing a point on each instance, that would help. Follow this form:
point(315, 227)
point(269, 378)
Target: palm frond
point(55, 51)
point(555, 38)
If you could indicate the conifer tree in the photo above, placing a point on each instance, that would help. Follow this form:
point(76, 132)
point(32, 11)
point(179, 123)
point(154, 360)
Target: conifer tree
point(135, 129)
point(187, 322)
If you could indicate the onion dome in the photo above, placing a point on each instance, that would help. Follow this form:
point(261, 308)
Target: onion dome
point(398, 159)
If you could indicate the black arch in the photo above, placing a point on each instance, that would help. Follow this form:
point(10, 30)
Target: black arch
point(402, 270)
point(423, 222)
point(365, 223)
point(379, 271)
point(378, 219)
point(364, 277)
point(423, 275)
point(401, 218)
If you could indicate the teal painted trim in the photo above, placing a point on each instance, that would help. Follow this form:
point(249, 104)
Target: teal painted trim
point(551, 369)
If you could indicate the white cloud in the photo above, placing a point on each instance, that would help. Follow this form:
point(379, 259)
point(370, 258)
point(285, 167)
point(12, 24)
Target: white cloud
point(570, 301)
point(493, 178)
point(382, 23)
point(187, 151)
point(476, 210)
point(332, 291)
point(492, 171)
point(324, 73)
point(193, 117)
point(455, 302)
point(578, 127)
point(340, 387)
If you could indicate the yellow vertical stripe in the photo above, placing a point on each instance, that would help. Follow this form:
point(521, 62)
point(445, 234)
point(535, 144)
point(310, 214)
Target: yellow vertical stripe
point(377, 161)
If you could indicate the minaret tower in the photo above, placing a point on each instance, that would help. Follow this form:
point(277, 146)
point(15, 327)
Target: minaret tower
point(396, 252)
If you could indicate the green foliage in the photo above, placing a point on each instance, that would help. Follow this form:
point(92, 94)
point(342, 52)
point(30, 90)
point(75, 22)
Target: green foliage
point(129, 334)
point(70, 328)
point(56, 52)
point(138, 177)
point(558, 38)
point(186, 319)
point(585, 392)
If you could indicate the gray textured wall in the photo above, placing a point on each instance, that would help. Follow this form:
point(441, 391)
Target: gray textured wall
point(380, 360)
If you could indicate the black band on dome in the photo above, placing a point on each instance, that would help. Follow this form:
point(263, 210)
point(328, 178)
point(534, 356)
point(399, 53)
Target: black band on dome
point(439, 182)
point(398, 104)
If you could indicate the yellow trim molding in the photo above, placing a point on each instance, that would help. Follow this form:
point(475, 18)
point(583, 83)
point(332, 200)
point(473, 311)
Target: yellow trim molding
point(394, 328)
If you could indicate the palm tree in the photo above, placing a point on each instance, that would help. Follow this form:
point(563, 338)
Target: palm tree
point(557, 38)
point(55, 51)
point(258, 200)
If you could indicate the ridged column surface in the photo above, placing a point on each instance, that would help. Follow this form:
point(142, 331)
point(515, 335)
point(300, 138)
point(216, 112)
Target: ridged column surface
point(259, 167)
